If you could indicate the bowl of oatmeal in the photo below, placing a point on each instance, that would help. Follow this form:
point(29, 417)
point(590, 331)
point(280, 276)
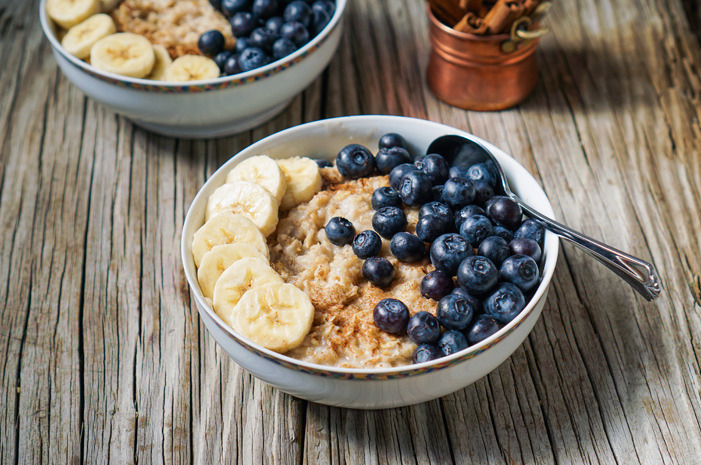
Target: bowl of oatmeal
point(344, 359)
point(210, 105)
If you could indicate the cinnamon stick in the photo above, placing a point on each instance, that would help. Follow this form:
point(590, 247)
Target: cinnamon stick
point(502, 15)
point(447, 11)
point(529, 6)
point(471, 5)
point(471, 23)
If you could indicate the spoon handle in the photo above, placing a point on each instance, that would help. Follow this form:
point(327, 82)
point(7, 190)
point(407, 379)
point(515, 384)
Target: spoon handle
point(640, 274)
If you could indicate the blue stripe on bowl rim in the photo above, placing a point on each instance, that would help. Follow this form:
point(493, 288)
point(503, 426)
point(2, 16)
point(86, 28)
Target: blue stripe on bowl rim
point(222, 83)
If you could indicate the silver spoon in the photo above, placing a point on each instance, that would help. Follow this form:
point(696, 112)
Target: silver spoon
point(640, 274)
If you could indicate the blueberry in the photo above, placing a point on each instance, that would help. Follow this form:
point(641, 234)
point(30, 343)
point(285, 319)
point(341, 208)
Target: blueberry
point(423, 328)
point(391, 316)
point(379, 271)
point(465, 213)
point(448, 251)
point(242, 43)
point(525, 246)
point(434, 166)
point(520, 270)
point(231, 7)
point(531, 230)
point(391, 139)
point(274, 24)
point(327, 5)
point(355, 161)
point(220, 59)
point(320, 19)
point(232, 65)
point(367, 244)
point(505, 302)
point(474, 302)
point(243, 23)
point(476, 229)
point(457, 172)
point(504, 233)
point(454, 312)
point(504, 211)
point(483, 192)
point(452, 342)
point(437, 193)
point(415, 188)
point(323, 163)
point(477, 274)
point(436, 209)
point(340, 231)
point(252, 58)
point(407, 247)
point(430, 227)
point(216, 4)
point(436, 285)
point(482, 327)
point(296, 32)
point(283, 47)
point(388, 221)
point(211, 43)
point(385, 197)
point(426, 353)
point(389, 158)
point(298, 11)
point(495, 249)
point(483, 172)
point(458, 192)
point(265, 9)
point(398, 172)
point(263, 38)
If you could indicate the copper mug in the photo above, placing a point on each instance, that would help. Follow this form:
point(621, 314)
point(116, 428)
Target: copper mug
point(484, 73)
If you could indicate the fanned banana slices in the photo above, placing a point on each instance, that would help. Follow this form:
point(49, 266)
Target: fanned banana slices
point(232, 257)
point(277, 316)
point(92, 36)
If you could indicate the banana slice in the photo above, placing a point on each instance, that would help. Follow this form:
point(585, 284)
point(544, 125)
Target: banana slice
point(248, 199)
point(261, 170)
point(240, 276)
point(123, 53)
point(303, 180)
point(108, 5)
point(163, 61)
point(68, 13)
point(227, 228)
point(218, 259)
point(80, 38)
point(277, 316)
point(192, 68)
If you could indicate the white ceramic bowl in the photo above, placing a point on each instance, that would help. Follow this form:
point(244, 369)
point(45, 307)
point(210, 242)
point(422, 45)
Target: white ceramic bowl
point(203, 109)
point(368, 388)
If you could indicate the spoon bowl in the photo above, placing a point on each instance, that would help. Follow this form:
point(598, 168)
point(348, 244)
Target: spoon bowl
point(641, 275)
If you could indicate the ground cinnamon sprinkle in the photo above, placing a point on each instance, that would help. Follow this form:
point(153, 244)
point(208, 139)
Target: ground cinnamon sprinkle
point(175, 24)
point(344, 333)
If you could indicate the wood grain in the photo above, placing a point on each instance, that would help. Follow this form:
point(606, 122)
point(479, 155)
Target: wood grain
point(104, 357)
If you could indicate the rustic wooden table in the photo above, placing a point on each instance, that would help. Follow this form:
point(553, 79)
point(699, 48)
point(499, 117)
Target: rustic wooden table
point(103, 355)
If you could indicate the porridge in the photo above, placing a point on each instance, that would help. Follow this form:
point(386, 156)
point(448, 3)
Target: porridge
point(371, 262)
point(344, 333)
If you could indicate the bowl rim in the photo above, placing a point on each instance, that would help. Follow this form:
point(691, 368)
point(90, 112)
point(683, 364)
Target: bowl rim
point(202, 85)
point(551, 250)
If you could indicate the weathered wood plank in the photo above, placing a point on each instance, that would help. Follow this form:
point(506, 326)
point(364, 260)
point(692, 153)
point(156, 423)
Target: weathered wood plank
point(105, 358)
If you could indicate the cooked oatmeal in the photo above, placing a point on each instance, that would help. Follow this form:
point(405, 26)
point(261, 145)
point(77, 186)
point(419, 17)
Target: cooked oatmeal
point(344, 333)
point(175, 24)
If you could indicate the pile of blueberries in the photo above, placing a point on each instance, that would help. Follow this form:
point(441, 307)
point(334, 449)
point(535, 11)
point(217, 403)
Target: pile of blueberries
point(470, 232)
point(265, 31)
